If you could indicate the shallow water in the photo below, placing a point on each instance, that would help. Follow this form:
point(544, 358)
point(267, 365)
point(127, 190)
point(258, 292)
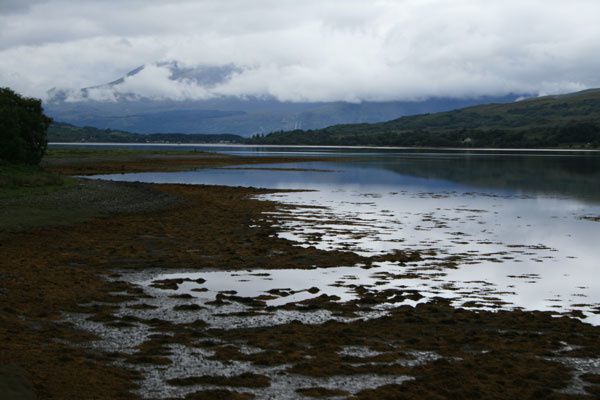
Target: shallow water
point(511, 222)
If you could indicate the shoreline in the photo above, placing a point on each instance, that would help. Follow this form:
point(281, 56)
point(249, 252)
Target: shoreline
point(209, 228)
point(233, 145)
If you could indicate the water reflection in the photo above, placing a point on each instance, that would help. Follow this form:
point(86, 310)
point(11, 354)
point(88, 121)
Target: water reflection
point(571, 175)
point(511, 223)
point(575, 176)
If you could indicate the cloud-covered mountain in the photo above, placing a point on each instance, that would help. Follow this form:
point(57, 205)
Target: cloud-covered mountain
point(155, 81)
point(188, 101)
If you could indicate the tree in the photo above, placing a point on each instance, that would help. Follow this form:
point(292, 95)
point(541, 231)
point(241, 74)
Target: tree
point(23, 127)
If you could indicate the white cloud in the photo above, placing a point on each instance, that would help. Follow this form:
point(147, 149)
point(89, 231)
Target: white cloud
point(153, 82)
point(311, 50)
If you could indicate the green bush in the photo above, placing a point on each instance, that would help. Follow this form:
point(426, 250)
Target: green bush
point(23, 127)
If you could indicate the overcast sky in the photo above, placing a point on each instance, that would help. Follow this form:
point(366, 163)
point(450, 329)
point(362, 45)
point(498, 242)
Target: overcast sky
point(306, 50)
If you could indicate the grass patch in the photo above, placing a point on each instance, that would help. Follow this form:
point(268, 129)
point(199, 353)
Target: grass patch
point(25, 180)
point(13, 176)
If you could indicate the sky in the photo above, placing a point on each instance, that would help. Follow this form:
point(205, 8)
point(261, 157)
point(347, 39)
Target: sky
point(305, 50)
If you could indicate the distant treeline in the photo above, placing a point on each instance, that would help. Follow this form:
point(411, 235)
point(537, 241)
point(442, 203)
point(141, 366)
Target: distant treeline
point(574, 135)
point(65, 133)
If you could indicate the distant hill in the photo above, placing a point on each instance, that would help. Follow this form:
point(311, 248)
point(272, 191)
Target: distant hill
point(571, 120)
point(67, 133)
point(113, 105)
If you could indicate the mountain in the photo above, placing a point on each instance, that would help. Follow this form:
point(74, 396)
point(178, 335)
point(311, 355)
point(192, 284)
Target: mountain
point(570, 120)
point(119, 90)
point(124, 105)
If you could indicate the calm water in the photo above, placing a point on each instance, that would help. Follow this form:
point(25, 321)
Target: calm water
point(514, 222)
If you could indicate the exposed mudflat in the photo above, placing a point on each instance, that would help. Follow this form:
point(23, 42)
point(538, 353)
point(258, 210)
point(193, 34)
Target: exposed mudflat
point(363, 330)
point(185, 341)
point(237, 293)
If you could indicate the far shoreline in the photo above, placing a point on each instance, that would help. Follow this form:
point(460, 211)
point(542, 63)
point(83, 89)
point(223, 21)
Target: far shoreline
point(234, 145)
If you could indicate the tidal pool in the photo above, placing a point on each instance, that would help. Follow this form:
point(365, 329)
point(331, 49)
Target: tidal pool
point(498, 230)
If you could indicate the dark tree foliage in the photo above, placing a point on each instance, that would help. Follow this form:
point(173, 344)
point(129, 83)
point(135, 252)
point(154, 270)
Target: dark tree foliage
point(61, 132)
point(23, 127)
point(571, 135)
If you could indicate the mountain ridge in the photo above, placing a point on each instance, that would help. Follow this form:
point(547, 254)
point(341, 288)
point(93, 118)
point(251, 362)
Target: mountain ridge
point(566, 120)
point(113, 106)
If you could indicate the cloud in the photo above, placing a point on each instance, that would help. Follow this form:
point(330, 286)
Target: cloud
point(304, 51)
point(151, 82)
point(17, 6)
